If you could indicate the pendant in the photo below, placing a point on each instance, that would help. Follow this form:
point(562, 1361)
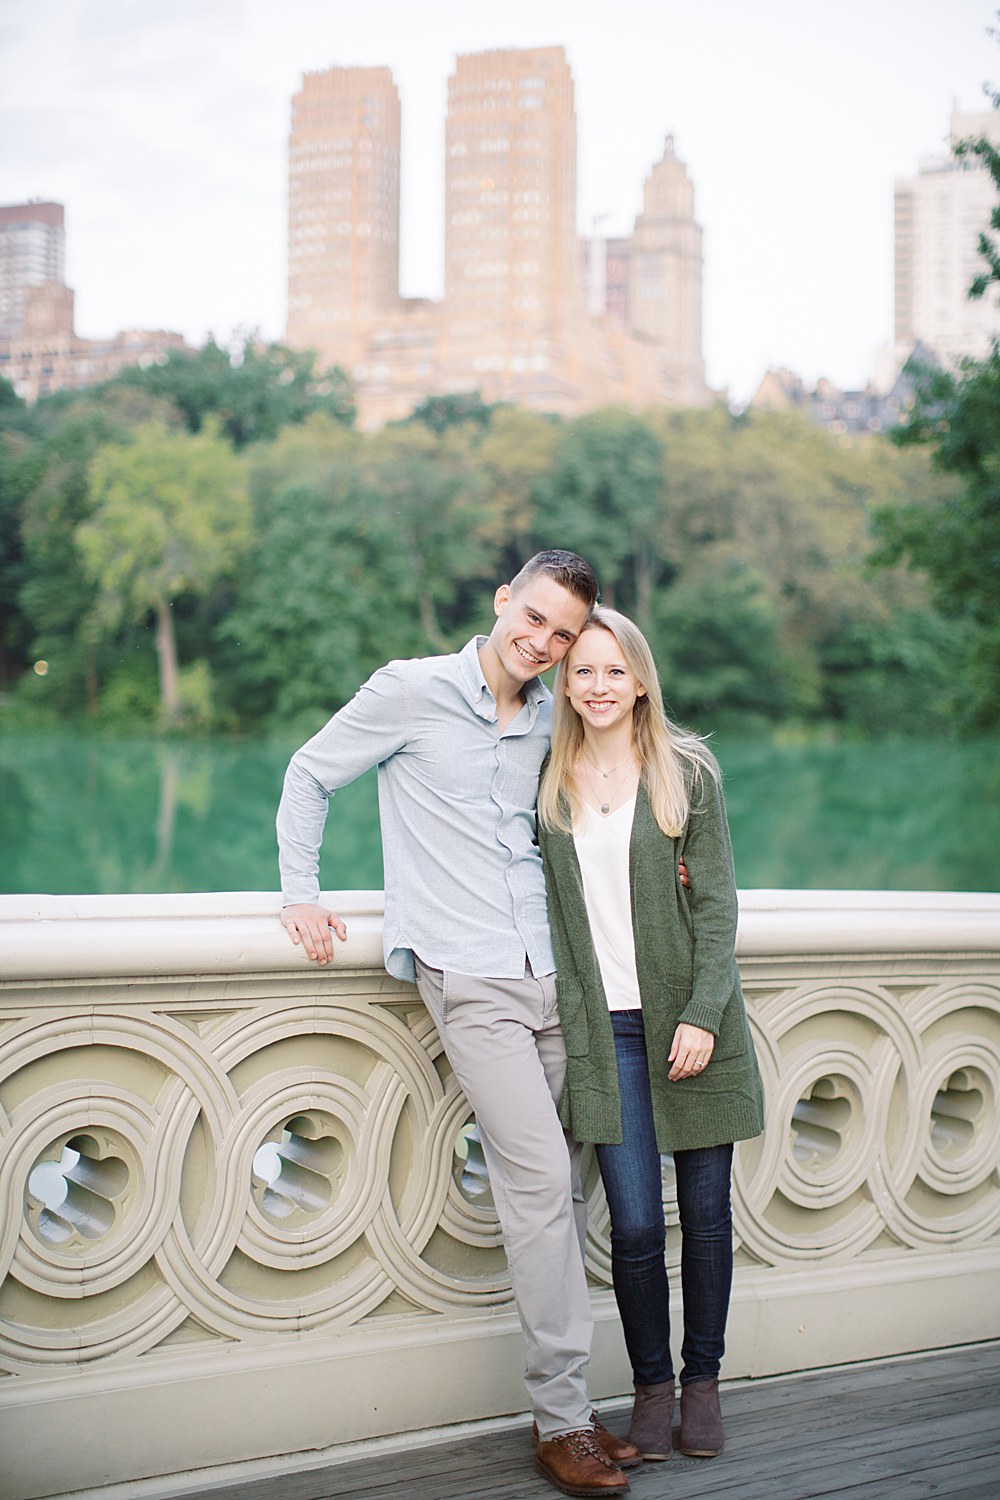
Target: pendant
point(605, 808)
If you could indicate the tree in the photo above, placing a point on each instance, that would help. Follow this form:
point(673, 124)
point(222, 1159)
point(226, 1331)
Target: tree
point(366, 548)
point(988, 153)
point(956, 541)
point(513, 461)
point(169, 517)
point(57, 596)
point(251, 393)
point(441, 412)
point(13, 627)
point(315, 609)
point(719, 650)
point(604, 501)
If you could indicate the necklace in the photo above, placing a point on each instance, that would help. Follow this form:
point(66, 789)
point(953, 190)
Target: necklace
point(606, 805)
point(613, 769)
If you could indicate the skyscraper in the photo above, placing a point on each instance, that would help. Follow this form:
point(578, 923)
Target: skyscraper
point(343, 210)
point(39, 350)
point(939, 215)
point(664, 277)
point(514, 323)
point(32, 253)
point(512, 292)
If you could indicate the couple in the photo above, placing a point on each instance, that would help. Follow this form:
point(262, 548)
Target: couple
point(641, 1045)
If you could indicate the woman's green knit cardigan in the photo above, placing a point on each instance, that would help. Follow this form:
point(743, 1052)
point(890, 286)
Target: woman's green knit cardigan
point(685, 959)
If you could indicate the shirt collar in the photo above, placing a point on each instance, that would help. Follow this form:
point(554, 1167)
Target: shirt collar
point(480, 694)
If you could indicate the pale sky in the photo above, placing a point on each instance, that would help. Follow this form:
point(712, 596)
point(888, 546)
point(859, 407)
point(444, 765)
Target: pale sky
point(162, 126)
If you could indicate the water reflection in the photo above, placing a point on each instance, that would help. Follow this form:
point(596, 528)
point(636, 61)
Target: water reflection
point(81, 814)
point(16, 824)
point(87, 814)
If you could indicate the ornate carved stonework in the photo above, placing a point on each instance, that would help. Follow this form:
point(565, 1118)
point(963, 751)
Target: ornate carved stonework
point(223, 1148)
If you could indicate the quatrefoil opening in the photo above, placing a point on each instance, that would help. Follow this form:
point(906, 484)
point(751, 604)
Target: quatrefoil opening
point(75, 1189)
point(956, 1113)
point(820, 1121)
point(297, 1175)
point(469, 1167)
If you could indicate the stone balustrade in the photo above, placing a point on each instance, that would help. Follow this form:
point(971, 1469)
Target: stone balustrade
point(244, 1207)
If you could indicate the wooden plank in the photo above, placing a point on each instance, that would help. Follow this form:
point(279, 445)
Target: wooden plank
point(898, 1430)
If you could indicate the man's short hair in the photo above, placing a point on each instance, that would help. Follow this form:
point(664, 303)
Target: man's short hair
point(567, 568)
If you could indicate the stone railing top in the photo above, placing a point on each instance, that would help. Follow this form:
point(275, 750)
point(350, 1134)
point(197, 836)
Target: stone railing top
point(84, 937)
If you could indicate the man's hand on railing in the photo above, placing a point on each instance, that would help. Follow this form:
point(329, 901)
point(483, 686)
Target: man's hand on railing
point(310, 925)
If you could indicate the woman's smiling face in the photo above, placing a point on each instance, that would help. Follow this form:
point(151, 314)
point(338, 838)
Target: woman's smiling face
point(599, 684)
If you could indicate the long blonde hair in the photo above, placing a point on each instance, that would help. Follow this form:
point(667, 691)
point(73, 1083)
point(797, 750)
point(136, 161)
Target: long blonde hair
point(672, 760)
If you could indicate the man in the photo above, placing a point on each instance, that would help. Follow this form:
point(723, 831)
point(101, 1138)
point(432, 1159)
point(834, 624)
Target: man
point(459, 742)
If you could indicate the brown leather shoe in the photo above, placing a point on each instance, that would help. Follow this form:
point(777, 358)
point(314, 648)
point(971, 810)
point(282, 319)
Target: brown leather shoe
point(622, 1453)
point(576, 1463)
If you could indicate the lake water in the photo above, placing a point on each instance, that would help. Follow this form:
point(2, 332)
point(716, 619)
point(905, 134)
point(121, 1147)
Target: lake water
point(83, 814)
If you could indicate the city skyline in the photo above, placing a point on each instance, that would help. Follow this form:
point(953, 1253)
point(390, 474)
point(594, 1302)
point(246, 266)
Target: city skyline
point(513, 323)
point(166, 138)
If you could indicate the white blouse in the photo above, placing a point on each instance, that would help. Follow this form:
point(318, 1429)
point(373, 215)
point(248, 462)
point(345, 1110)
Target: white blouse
point(602, 847)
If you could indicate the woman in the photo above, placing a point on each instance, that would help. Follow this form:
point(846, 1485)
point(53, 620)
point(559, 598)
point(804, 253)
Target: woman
point(659, 1052)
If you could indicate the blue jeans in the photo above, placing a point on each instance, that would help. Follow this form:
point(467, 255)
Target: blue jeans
point(633, 1185)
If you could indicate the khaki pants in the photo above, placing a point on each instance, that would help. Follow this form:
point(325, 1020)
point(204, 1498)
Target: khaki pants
point(505, 1046)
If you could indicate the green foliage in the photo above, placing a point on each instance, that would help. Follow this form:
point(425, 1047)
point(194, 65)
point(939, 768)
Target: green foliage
point(51, 606)
point(18, 471)
point(719, 648)
point(603, 500)
point(895, 675)
point(131, 694)
point(10, 401)
point(169, 516)
point(365, 550)
point(441, 412)
point(986, 152)
point(957, 541)
point(198, 698)
point(57, 597)
point(13, 626)
point(750, 538)
point(251, 395)
point(283, 574)
point(955, 538)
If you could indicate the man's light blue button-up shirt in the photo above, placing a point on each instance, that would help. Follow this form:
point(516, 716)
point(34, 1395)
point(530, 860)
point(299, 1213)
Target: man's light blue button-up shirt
point(464, 886)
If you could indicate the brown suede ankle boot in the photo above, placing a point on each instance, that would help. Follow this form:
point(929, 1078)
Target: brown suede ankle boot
point(652, 1417)
point(701, 1419)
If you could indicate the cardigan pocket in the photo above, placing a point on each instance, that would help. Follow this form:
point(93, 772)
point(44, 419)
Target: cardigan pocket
point(573, 1016)
point(721, 1076)
point(732, 1040)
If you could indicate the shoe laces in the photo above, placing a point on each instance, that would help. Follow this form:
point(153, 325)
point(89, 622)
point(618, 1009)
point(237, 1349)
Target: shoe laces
point(583, 1444)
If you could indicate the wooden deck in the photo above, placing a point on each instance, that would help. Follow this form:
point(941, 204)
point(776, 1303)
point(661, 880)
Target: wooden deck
point(927, 1425)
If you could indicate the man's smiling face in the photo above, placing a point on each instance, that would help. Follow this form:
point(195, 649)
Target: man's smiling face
point(535, 626)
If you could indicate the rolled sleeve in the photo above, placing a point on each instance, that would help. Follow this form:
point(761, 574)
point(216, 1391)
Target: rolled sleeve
point(365, 732)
